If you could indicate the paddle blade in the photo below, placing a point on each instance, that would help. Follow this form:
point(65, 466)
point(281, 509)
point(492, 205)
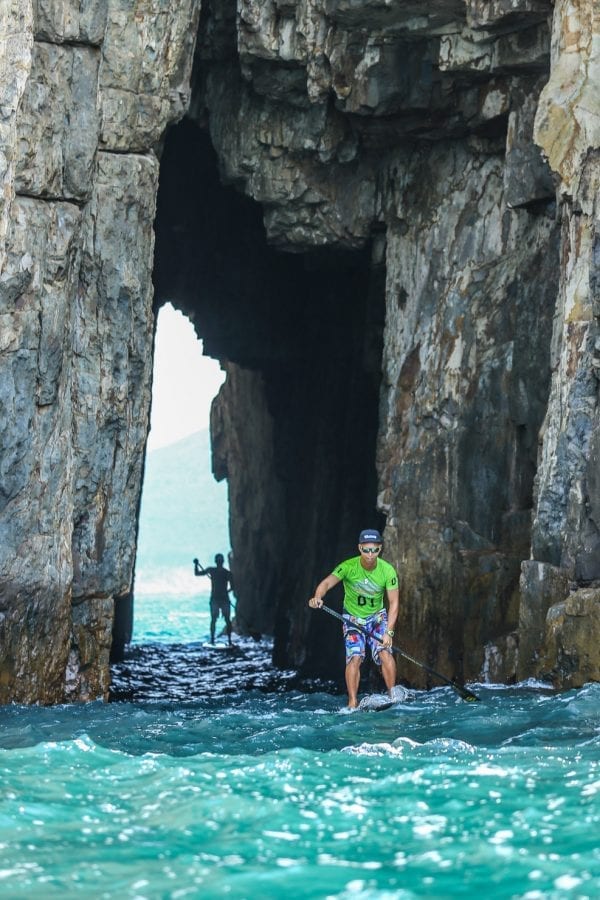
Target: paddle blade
point(465, 693)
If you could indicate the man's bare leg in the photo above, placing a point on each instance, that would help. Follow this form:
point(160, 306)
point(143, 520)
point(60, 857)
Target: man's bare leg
point(353, 680)
point(388, 670)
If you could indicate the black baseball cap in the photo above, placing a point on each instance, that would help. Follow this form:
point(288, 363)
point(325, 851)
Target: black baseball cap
point(370, 535)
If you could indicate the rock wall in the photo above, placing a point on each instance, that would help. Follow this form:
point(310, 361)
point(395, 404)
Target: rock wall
point(566, 523)
point(87, 91)
point(392, 247)
point(467, 362)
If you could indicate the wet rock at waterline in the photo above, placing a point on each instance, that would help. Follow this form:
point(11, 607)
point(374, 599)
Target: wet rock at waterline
point(383, 220)
point(569, 655)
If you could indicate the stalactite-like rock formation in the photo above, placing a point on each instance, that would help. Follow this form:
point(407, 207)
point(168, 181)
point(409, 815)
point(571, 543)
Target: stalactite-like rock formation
point(383, 219)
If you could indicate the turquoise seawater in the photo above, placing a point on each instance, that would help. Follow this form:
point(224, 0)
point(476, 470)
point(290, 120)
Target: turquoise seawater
point(173, 618)
point(276, 793)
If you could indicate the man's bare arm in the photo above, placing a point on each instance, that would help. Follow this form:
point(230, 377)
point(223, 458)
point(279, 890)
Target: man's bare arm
point(317, 599)
point(393, 596)
point(199, 569)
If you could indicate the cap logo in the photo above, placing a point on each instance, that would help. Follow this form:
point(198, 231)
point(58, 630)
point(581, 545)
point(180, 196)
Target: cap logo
point(370, 534)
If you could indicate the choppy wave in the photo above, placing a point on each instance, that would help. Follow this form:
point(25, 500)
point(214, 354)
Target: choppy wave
point(218, 776)
point(263, 795)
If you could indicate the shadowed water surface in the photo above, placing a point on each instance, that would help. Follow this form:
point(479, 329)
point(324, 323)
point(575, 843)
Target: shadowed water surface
point(157, 671)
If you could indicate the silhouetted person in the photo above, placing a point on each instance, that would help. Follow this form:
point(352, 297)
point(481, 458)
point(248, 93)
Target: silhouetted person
point(220, 585)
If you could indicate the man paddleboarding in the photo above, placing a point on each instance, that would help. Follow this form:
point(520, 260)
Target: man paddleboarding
point(367, 579)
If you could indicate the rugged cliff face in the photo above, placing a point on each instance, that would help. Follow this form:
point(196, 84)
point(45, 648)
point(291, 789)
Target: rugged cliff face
point(87, 92)
point(383, 220)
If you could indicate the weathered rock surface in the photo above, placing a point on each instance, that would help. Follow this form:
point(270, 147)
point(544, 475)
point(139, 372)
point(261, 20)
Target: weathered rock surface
point(405, 301)
point(541, 586)
point(566, 523)
point(570, 654)
point(77, 324)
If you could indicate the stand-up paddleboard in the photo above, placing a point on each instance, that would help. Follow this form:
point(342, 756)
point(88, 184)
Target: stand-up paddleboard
point(208, 646)
point(368, 704)
point(379, 702)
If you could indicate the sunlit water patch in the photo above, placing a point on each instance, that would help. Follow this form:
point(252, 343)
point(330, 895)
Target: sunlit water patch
point(175, 618)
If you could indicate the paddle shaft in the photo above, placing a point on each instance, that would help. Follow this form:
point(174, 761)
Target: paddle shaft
point(460, 690)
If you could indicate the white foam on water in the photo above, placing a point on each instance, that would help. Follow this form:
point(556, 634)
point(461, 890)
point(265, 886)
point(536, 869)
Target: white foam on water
point(169, 582)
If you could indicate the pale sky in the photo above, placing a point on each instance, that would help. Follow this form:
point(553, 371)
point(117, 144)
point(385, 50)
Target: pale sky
point(185, 382)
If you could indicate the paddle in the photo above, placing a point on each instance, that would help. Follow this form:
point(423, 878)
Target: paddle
point(461, 690)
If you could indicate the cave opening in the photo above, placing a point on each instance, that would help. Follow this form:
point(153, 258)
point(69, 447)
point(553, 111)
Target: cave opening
point(294, 429)
point(183, 511)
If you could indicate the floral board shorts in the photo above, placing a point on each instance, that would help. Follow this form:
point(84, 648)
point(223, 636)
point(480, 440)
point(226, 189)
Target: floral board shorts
point(356, 641)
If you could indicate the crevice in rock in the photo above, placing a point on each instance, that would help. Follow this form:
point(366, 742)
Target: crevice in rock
point(294, 428)
point(49, 198)
point(67, 42)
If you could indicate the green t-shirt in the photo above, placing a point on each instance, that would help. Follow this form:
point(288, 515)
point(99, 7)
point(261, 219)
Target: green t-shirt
point(364, 590)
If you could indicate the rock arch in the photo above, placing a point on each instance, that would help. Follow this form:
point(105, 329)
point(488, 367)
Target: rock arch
point(377, 167)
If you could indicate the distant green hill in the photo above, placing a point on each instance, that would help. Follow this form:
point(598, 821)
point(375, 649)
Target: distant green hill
point(183, 514)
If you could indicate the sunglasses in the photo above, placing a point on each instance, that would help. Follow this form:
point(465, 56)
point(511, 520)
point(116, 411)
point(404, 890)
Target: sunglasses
point(370, 549)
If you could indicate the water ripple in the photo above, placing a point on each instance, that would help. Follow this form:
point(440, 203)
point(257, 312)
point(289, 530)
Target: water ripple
point(250, 787)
